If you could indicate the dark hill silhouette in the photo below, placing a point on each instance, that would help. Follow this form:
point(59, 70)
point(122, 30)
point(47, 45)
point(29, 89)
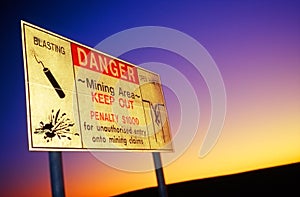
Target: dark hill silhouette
point(275, 181)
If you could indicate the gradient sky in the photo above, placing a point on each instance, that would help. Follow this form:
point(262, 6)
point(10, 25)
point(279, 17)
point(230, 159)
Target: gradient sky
point(255, 44)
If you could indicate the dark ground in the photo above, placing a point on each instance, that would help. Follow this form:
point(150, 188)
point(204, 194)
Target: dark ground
point(276, 181)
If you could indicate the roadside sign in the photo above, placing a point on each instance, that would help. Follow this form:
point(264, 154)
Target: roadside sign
point(81, 99)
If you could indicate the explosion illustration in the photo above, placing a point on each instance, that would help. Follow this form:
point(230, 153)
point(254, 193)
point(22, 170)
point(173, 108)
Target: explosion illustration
point(58, 125)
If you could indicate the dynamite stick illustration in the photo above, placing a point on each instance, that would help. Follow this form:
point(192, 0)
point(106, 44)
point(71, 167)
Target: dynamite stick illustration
point(51, 78)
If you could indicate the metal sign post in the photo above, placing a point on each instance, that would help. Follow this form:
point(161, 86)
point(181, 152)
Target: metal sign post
point(56, 174)
point(162, 189)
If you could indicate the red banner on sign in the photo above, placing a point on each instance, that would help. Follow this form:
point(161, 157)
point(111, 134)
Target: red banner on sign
point(86, 58)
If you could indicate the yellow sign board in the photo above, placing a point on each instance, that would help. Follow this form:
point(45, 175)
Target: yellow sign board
point(80, 99)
